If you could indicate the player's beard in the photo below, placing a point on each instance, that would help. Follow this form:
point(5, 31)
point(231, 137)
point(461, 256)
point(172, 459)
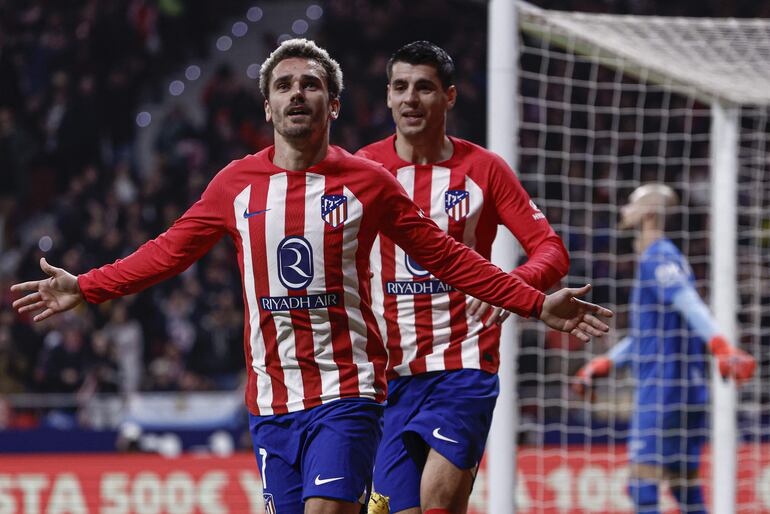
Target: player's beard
point(295, 131)
point(291, 130)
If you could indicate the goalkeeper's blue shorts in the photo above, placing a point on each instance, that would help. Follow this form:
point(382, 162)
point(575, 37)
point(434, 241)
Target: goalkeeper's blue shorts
point(327, 451)
point(673, 440)
point(449, 411)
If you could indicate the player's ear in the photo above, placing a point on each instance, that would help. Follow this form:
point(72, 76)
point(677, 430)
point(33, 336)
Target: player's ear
point(451, 96)
point(268, 112)
point(387, 96)
point(334, 108)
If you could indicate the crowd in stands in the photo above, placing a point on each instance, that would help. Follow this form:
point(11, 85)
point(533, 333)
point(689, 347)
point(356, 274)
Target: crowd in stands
point(72, 76)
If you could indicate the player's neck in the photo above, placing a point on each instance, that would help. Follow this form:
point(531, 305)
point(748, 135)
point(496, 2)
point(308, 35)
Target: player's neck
point(299, 154)
point(424, 150)
point(647, 236)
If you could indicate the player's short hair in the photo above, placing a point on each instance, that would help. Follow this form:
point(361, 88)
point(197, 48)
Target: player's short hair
point(304, 49)
point(663, 196)
point(425, 52)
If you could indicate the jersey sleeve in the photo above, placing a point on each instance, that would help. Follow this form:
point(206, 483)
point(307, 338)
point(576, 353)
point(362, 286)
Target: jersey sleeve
point(450, 261)
point(167, 255)
point(691, 307)
point(548, 260)
point(622, 354)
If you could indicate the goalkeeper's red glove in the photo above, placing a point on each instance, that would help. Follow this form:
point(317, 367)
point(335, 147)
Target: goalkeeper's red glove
point(733, 362)
point(596, 367)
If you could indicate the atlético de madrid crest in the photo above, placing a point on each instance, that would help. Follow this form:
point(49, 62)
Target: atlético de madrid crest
point(334, 209)
point(457, 204)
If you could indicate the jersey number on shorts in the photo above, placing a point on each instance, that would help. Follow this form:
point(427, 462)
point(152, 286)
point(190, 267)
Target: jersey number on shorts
point(263, 453)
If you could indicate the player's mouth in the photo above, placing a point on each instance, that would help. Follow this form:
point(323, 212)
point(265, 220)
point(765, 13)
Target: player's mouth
point(296, 112)
point(412, 116)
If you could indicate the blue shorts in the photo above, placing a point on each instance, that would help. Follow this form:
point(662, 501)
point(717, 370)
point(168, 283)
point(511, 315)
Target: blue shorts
point(327, 451)
point(449, 411)
point(673, 440)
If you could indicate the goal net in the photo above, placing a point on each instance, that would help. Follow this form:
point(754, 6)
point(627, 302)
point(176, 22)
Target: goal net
point(607, 103)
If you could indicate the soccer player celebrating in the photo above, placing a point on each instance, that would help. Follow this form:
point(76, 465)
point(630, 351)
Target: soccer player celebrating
point(671, 334)
point(443, 345)
point(303, 215)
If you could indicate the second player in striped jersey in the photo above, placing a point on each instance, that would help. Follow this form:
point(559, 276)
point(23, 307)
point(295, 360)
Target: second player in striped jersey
point(443, 351)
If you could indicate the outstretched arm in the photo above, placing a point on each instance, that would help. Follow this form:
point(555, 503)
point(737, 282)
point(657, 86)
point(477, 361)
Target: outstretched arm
point(601, 365)
point(733, 362)
point(169, 254)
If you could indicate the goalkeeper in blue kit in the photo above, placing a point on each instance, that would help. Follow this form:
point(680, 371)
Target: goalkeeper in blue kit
point(671, 339)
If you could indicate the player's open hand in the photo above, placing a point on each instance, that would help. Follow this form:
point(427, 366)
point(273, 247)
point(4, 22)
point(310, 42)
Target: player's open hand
point(57, 293)
point(478, 309)
point(563, 311)
point(733, 362)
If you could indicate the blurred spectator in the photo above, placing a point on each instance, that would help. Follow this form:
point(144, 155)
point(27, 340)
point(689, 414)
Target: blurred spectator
point(126, 336)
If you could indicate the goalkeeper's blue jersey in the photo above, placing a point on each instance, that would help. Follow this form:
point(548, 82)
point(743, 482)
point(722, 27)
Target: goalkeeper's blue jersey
point(670, 361)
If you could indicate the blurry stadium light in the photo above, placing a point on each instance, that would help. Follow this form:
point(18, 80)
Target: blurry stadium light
point(224, 43)
point(143, 119)
point(283, 37)
point(193, 72)
point(239, 29)
point(221, 443)
point(299, 26)
point(314, 12)
point(45, 243)
point(176, 87)
point(253, 71)
point(254, 14)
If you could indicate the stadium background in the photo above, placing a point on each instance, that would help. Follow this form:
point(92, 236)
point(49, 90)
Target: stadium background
point(113, 117)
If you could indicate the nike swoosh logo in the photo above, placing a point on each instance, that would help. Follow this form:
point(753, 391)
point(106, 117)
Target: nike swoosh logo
point(247, 214)
point(443, 438)
point(322, 481)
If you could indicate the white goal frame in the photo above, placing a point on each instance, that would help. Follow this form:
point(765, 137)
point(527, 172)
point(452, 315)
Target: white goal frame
point(725, 95)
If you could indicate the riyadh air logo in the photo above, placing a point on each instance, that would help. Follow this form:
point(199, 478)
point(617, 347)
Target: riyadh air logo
point(295, 262)
point(415, 269)
point(334, 209)
point(457, 204)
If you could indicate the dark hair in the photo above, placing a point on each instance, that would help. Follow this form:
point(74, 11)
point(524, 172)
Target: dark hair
point(306, 50)
point(425, 52)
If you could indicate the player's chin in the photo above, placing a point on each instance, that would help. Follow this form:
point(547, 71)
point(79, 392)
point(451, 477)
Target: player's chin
point(296, 130)
point(411, 126)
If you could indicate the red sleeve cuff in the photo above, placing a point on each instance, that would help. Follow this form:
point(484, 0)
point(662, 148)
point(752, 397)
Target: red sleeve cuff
point(537, 309)
point(84, 282)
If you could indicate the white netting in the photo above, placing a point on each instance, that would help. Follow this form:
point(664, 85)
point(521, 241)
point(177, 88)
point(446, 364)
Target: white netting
point(607, 103)
point(722, 58)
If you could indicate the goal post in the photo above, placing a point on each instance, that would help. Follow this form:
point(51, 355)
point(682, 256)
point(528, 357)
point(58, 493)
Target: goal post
point(605, 103)
point(725, 120)
point(502, 116)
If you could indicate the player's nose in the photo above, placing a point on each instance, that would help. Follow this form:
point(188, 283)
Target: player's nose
point(411, 95)
point(296, 93)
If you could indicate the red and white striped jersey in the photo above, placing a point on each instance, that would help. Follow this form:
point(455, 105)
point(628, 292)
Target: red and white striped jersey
point(303, 240)
point(421, 318)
